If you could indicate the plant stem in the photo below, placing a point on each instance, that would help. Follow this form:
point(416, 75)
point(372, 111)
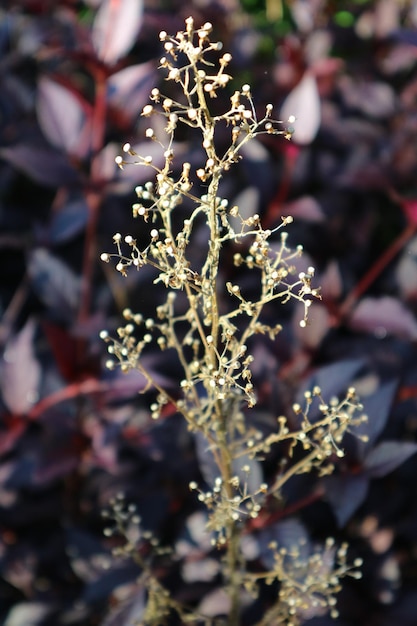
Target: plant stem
point(375, 270)
point(93, 197)
point(226, 468)
point(232, 532)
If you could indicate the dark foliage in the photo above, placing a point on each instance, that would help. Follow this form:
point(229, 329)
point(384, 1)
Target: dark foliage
point(74, 77)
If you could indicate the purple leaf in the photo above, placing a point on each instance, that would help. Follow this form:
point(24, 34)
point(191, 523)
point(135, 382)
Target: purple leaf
point(54, 283)
point(376, 99)
point(196, 536)
point(206, 460)
point(128, 90)
point(384, 316)
point(115, 27)
point(387, 456)
point(345, 493)
point(10, 433)
point(305, 208)
point(123, 385)
point(288, 534)
point(68, 222)
point(333, 379)
point(331, 282)
point(203, 570)
point(128, 612)
point(406, 271)
point(247, 200)
point(406, 35)
point(98, 591)
point(303, 104)
point(22, 472)
point(377, 407)
point(20, 371)
point(317, 328)
point(28, 614)
point(60, 465)
point(132, 174)
point(45, 166)
point(214, 603)
point(63, 118)
point(210, 470)
point(86, 554)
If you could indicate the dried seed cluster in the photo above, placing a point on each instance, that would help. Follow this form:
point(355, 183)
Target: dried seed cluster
point(308, 582)
point(211, 343)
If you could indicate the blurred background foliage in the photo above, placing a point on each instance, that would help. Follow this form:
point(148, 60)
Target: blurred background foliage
point(74, 77)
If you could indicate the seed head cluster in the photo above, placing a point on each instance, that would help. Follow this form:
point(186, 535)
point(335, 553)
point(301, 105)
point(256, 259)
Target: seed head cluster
point(209, 324)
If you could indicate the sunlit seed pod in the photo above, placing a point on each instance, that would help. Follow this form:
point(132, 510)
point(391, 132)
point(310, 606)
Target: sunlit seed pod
point(174, 73)
point(147, 110)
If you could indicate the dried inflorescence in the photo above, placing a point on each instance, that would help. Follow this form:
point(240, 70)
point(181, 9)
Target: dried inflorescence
point(309, 581)
point(210, 343)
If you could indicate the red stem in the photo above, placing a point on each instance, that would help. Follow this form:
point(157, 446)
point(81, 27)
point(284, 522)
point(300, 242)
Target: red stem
point(93, 197)
point(375, 270)
point(266, 519)
point(275, 207)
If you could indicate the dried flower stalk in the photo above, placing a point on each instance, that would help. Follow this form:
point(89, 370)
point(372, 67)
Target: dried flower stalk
point(216, 385)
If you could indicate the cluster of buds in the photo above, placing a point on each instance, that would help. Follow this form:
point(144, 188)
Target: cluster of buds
point(309, 581)
point(197, 83)
point(320, 437)
point(210, 335)
point(230, 501)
